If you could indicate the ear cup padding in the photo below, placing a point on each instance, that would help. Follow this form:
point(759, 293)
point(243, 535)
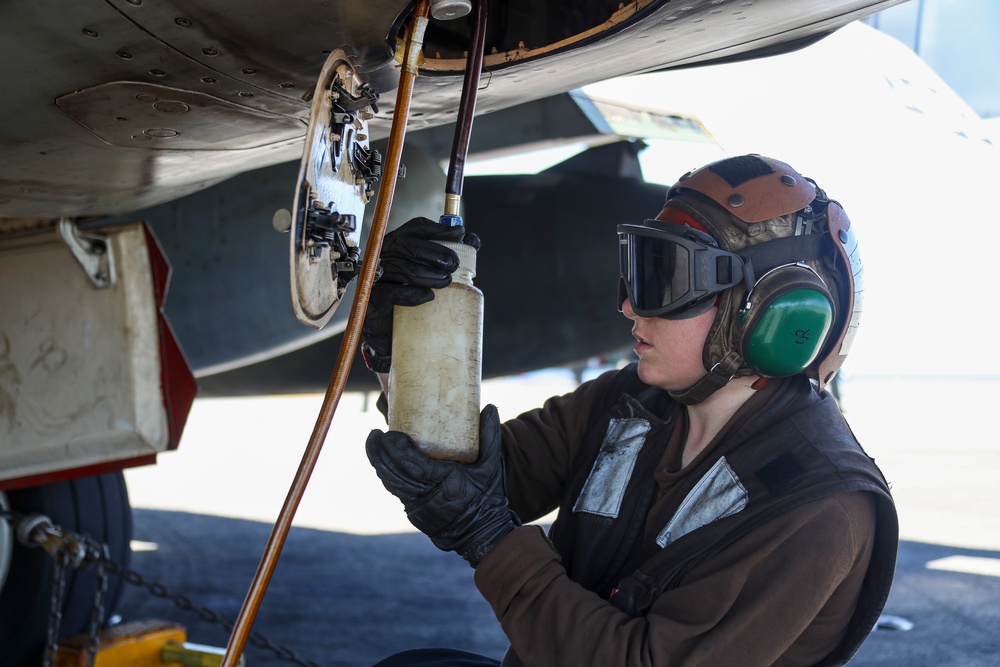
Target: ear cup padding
point(790, 317)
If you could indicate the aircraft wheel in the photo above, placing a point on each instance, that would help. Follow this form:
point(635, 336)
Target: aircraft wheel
point(97, 506)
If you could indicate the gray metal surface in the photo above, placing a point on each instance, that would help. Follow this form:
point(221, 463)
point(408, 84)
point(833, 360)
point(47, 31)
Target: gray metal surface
point(228, 301)
point(341, 599)
point(116, 105)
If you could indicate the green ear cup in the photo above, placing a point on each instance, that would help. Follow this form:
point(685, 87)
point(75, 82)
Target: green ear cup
point(789, 332)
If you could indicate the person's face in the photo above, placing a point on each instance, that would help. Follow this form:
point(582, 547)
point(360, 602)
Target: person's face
point(669, 351)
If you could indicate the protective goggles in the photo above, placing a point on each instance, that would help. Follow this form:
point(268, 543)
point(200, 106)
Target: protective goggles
point(671, 270)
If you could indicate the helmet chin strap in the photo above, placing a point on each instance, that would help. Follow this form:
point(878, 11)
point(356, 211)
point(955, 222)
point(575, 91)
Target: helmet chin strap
point(711, 382)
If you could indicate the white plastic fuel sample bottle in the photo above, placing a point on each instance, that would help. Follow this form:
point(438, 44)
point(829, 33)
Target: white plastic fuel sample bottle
point(436, 371)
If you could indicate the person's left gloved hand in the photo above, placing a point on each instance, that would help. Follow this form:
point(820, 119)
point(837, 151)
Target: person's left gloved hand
point(461, 507)
point(413, 263)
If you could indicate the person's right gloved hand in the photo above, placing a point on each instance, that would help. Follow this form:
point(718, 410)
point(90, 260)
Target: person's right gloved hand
point(412, 264)
point(462, 507)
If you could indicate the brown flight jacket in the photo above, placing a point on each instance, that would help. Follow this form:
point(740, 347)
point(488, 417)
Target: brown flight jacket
point(775, 546)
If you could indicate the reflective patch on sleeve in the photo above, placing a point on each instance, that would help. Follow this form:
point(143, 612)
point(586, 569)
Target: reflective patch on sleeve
point(604, 489)
point(716, 495)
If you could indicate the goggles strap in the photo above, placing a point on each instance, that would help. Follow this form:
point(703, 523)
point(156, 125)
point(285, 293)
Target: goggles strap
point(773, 254)
point(711, 382)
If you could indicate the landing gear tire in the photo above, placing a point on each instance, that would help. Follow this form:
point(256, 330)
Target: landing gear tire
point(96, 506)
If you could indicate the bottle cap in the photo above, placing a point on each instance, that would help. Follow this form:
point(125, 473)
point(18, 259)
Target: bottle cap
point(466, 257)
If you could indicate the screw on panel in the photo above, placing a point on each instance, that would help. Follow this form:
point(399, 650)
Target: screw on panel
point(736, 201)
point(209, 51)
point(282, 220)
point(122, 53)
point(788, 180)
point(182, 22)
point(171, 106)
point(157, 72)
point(90, 33)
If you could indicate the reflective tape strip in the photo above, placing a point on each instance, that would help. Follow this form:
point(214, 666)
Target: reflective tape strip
point(716, 495)
point(604, 489)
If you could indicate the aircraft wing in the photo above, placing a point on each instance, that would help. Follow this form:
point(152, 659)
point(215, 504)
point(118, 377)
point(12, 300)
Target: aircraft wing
point(116, 105)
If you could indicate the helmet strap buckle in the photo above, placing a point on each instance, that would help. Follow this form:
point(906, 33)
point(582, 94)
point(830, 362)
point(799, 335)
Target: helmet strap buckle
point(749, 280)
point(804, 221)
point(717, 378)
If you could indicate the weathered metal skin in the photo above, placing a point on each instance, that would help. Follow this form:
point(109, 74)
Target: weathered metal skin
point(115, 105)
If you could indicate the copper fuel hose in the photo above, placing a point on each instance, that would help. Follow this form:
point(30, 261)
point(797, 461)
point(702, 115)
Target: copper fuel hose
point(348, 346)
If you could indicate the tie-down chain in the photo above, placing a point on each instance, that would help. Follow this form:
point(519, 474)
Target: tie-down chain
point(71, 550)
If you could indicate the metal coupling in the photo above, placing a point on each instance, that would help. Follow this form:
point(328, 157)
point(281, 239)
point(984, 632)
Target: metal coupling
point(38, 530)
point(446, 10)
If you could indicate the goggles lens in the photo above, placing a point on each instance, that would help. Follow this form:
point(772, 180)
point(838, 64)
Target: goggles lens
point(673, 271)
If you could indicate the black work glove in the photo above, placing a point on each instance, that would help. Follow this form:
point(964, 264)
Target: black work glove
point(462, 507)
point(412, 263)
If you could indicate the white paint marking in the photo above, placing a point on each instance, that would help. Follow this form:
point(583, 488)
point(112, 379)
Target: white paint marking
point(989, 567)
